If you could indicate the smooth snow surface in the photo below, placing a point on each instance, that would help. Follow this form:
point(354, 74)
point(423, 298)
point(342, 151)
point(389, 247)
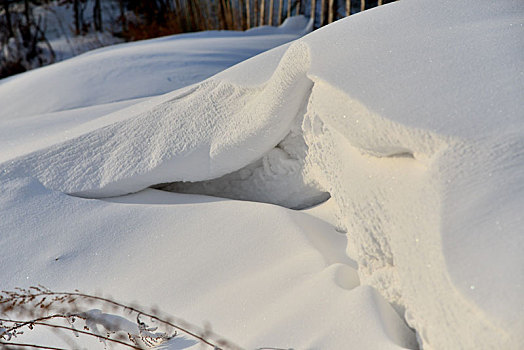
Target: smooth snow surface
point(409, 115)
point(138, 69)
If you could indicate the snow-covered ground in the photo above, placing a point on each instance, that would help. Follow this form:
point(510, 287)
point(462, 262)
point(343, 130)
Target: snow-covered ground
point(409, 116)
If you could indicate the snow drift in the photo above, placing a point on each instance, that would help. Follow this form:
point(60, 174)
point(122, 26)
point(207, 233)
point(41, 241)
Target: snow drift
point(408, 115)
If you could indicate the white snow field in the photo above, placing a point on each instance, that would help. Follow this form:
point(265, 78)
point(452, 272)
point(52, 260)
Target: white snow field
point(408, 116)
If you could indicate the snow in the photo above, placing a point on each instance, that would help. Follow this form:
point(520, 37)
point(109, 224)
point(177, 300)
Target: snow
point(205, 258)
point(408, 115)
point(107, 78)
point(159, 65)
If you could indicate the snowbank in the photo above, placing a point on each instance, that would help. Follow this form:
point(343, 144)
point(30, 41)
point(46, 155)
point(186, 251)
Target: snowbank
point(409, 115)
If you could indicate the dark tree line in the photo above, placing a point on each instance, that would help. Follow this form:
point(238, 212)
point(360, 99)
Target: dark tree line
point(23, 43)
point(161, 17)
point(22, 39)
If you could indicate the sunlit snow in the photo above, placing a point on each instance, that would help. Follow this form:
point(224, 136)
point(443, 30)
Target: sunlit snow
point(408, 117)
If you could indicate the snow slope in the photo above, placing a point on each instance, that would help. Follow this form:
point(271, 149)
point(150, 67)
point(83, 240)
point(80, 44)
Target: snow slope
point(241, 266)
point(409, 115)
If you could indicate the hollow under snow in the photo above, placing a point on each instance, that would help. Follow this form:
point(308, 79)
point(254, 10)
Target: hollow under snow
point(408, 116)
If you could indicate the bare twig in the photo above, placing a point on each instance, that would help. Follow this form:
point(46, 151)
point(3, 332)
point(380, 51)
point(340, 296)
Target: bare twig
point(30, 346)
point(43, 298)
point(21, 324)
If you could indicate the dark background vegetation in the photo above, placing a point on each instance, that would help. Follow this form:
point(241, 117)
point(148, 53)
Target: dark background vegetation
point(23, 42)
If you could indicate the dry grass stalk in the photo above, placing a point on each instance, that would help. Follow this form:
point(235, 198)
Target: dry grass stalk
point(41, 307)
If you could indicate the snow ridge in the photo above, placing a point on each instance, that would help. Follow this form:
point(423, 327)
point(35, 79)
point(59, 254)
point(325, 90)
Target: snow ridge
point(187, 135)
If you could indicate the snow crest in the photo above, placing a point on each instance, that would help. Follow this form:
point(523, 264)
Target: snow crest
point(187, 135)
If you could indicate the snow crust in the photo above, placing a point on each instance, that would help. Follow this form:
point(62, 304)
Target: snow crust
point(409, 115)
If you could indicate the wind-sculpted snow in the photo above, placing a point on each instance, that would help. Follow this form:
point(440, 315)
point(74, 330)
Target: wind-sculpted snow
point(188, 135)
point(408, 116)
point(135, 70)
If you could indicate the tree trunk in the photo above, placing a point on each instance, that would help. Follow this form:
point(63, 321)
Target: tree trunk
point(297, 12)
point(193, 16)
point(231, 15)
point(248, 14)
point(313, 13)
point(226, 14)
point(331, 11)
point(262, 12)
point(242, 19)
point(122, 15)
point(348, 7)
point(97, 16)
point(257, 10)
point(9, 24)
point(362, 5)
point(28, 39)
point(271, 5)
point(76, 13)
point(210, 16)
point(280, 5)
point(222, 15)
point(322, 12)
point(201, 16)
point(288, 8)
point(27, 12)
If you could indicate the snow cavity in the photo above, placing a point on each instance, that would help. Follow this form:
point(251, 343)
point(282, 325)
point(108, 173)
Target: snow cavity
point(277, 178)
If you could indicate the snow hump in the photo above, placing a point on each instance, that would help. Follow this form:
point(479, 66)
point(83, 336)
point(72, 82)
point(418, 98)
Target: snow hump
point(197, 133)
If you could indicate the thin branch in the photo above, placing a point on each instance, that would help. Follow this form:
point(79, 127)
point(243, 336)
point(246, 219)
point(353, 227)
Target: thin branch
point(21, 324)
point(34, 322)
point(31, 346)
point(123, 306)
